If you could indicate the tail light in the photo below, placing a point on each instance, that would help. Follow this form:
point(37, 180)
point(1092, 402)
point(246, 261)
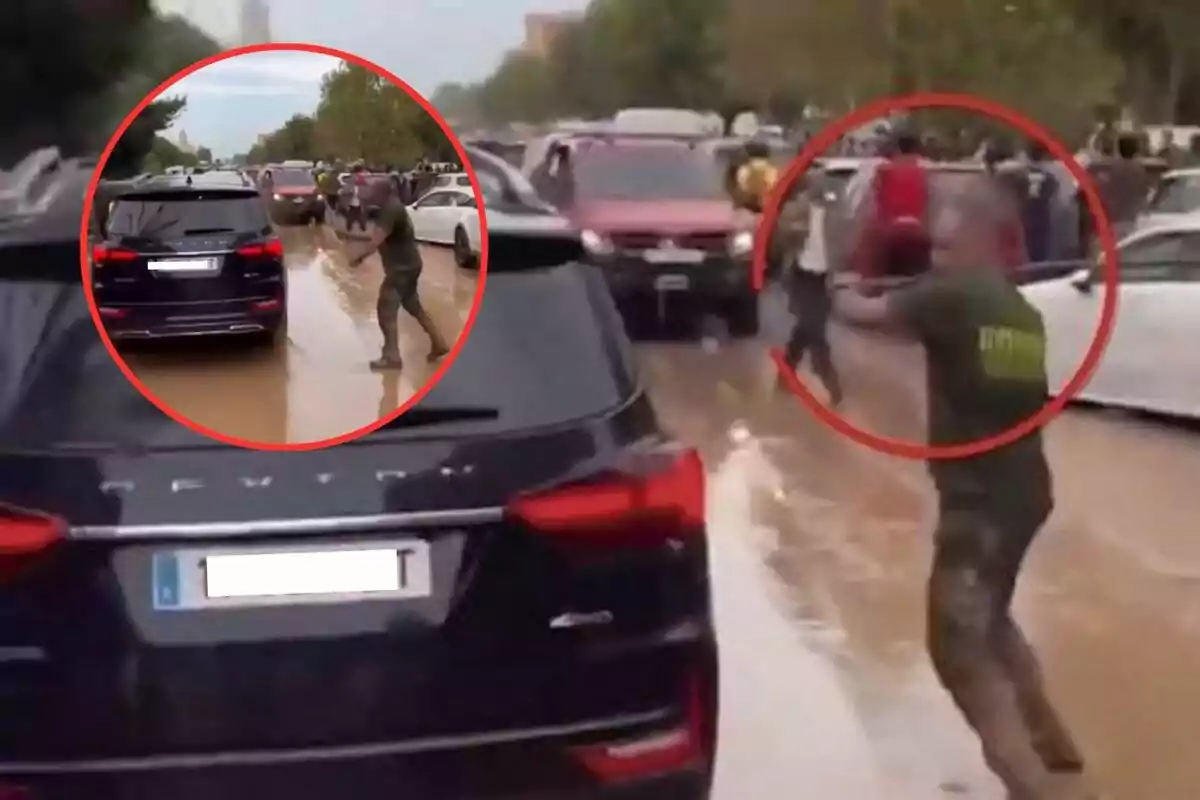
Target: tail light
point(25, 536)
point(272, 248)
point(659, 497)
point(102, 255)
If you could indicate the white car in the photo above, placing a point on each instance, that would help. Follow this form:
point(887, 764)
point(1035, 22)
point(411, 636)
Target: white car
point(449, 217)
point(1177, 195)
point(1150, 364)
point(511, 204)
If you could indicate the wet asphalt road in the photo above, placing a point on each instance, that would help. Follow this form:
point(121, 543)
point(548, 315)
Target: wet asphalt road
point(821, 548)
point(820, 555)
point(317, 385)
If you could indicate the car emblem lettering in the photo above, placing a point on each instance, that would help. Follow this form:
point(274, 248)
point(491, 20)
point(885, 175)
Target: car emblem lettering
point(180, 485)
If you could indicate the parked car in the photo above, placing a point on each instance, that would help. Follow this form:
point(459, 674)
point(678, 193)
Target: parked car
point(657, 222)
point(444, 217)
point(1150, 363)
point(190, 255)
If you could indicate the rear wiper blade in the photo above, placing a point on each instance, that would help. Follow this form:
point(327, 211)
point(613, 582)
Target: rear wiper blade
point(435, 415)
point(194, 231)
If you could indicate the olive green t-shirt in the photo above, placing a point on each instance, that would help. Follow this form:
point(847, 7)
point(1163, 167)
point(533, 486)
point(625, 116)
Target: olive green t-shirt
point(399, 251)
point(986, 351)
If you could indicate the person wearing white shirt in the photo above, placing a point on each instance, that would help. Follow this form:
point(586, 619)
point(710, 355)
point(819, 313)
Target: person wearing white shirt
point(807, 276)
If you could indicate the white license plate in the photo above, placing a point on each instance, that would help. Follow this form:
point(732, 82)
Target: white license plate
point(673, 256)
point(672, 283)
point(195, 579)
point(185, 265)
point(317, 572)
point(297, 200)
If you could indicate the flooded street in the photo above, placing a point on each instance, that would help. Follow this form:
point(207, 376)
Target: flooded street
point(318, 385)
point(821, 549)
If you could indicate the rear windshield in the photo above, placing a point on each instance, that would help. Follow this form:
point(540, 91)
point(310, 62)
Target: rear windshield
point(647, 173)
point(1177, 195)
point(293, 177)
point(60, 389)
point(168, 215)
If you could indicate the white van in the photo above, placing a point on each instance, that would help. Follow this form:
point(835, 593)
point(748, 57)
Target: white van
point(668, 122)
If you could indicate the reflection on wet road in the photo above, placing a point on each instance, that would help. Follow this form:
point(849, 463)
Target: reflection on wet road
point(317, 386)
point(821, 550)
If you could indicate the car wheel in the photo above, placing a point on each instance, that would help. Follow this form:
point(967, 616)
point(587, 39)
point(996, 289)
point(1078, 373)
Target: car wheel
point(742, 316)
point(462, 250)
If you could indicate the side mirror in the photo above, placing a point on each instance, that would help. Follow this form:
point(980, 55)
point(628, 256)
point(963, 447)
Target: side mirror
point(1083, 280)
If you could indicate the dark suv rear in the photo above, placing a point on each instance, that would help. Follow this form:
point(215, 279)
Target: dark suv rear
point(539, 626)
point(189, 256)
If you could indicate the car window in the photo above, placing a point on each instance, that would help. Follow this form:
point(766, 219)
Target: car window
point(171, 214)
point(1176, 195)
point(435, 200)
point(646, 173)
point(1161, 257)
point(463, 180)
point(293, 178)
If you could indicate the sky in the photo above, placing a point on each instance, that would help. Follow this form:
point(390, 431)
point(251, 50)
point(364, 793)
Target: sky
point(230, 102)
point(425, 42)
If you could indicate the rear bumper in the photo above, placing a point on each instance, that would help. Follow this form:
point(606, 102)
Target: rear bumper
point(181, 320)
point(528, 768)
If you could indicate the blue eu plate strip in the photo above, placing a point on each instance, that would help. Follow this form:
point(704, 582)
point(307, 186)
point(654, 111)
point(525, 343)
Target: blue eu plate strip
point(166, 582)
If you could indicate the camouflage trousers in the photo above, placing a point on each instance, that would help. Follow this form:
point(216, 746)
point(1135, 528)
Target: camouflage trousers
point(398, 290)
point(981, 656)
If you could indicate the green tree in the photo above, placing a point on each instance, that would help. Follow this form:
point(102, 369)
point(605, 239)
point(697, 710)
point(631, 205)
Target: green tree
point(58, 57)
point(360, 115)
point(164, 153)
point(138, 141)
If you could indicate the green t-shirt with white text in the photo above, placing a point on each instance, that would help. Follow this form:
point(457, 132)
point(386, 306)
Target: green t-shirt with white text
point(986, 351)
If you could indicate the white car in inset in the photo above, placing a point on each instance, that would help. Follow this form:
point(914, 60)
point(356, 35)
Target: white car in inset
point(449, 217)
point(1150, 363)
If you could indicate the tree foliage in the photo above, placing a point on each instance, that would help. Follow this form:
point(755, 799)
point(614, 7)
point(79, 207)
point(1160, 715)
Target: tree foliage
point(361, 115)
point(1056, 60)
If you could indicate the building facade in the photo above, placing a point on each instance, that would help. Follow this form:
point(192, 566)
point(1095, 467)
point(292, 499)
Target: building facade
point(254, 22)
point(541, 31)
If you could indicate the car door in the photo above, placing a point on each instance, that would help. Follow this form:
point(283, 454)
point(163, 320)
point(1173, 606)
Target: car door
point(1134, 371)
point(1172, 304)
point(461, 209)
point(428, 215)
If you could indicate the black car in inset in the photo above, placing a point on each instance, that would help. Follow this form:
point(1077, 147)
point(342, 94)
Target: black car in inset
point(190, 255)
point(504, 593)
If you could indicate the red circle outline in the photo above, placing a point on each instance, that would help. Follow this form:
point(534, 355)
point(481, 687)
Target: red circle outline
point(455, 349)
point(826, 138)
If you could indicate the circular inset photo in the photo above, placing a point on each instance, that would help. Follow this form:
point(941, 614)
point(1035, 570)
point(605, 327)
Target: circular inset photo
point(301, 256)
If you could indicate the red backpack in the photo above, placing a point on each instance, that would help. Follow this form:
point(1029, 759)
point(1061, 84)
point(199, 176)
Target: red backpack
point(902, 195)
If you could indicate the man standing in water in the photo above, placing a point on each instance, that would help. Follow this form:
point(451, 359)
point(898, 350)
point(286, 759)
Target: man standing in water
point(396, 242)
point(985, 347)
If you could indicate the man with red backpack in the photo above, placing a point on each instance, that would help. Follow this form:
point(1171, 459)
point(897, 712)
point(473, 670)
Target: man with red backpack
point(894, 219)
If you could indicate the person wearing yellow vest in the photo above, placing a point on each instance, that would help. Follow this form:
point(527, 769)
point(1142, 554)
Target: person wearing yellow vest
point(756, 177)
